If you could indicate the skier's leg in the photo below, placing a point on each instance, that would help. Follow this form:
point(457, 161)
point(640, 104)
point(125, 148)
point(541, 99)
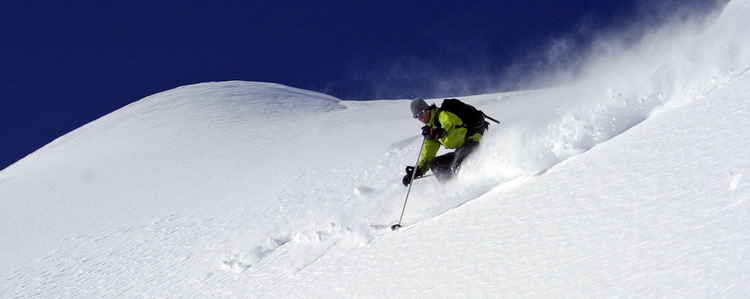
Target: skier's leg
point(463, 152)
point(441, 166)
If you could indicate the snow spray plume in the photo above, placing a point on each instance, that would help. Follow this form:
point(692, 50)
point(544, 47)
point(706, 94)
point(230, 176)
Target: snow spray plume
point(411, 76)
point(621, 79)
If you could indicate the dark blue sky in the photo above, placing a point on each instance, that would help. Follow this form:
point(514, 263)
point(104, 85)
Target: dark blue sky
point(66, 63)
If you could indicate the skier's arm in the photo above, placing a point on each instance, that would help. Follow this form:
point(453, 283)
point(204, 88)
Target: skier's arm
point(429, 151)
point(455, 134)
point(448, 120)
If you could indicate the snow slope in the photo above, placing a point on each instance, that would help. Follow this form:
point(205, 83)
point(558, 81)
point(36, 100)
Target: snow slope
point(660, 210)
point(630, 180)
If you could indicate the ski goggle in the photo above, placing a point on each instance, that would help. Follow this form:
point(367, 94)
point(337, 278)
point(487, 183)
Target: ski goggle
point(419, 114)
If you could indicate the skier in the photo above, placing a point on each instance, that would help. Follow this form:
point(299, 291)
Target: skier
point(443, 126)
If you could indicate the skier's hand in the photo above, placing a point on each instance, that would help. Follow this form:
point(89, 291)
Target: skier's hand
point(434, 133)
point(409, 172)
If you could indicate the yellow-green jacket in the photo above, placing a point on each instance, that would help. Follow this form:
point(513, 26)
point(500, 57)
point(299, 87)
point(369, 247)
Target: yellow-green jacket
point(455, 136)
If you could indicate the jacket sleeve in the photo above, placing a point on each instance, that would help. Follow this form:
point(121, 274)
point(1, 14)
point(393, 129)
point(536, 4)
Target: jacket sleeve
point(455, 133)
point(429, 151)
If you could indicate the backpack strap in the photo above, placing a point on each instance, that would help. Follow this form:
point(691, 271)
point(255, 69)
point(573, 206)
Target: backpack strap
point(438, 125)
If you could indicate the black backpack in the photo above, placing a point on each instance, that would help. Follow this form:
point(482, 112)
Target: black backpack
point(472, 118)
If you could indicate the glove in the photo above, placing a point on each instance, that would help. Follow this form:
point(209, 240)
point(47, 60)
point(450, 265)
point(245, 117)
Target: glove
point(434, 133)
point(409, 171)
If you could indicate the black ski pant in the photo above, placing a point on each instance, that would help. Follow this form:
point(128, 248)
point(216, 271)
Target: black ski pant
point(445, 166)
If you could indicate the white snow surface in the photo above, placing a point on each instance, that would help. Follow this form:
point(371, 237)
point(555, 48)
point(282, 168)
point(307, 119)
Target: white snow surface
point(630, 180)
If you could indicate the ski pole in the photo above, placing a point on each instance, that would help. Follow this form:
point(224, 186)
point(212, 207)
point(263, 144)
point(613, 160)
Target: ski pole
point(490, 118)
point(413, 174)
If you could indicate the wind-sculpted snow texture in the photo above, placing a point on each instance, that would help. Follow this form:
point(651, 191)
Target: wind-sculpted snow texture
point(629, 180)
